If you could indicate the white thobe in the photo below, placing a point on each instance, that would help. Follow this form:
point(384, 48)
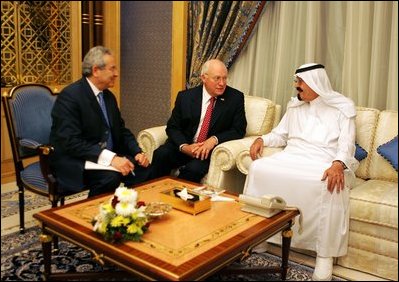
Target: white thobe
point(314, 134)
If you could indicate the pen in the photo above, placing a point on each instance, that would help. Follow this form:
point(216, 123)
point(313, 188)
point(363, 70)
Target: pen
point(131, 170)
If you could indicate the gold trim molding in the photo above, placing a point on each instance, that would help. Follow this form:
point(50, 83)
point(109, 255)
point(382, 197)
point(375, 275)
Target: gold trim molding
point(179, 47)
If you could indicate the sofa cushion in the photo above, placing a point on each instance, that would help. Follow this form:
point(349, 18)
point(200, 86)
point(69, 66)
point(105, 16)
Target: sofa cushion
point(375, 201)
point(360, 153)
point(389, 151)
point(371, 262)
point(366, 123)
point(387, 129)
point(260, 115)
point(373, 231)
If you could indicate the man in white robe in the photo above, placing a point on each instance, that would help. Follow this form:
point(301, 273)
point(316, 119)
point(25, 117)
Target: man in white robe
point(315, 171)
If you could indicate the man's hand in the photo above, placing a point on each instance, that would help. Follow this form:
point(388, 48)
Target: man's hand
point(202, 150)
point(123, 165)
point(142, 159)
point(256, 148)
point(335, 177)
point(189, 148)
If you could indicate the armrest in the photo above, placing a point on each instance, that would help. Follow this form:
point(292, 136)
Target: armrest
point(151, 138)
point(29, 143)
point(45, 152)
point(224, 155)
point(223, 173)
point(243, 160)
point(28, 147)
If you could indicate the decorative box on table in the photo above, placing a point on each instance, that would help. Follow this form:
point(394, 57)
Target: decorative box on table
point(198, 203)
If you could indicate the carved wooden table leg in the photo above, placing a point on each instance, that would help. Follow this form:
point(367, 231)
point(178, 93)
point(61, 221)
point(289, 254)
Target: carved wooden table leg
point(283, 269)
point(46, 246)
point(287, 234)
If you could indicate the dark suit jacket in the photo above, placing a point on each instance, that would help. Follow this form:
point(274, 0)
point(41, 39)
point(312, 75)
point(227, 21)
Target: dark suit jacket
point(79, 131)
point(228, 118)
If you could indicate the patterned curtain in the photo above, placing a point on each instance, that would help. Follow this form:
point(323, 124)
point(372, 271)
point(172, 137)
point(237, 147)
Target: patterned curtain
point(218, 29)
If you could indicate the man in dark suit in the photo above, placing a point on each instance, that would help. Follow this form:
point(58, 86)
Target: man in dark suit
point(189, 145)
point(82, 132)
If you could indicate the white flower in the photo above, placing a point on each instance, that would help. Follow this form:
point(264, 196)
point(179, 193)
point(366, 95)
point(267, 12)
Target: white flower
point(120, 216)
point(125, 208)
point(141, 211)
point(126, 195)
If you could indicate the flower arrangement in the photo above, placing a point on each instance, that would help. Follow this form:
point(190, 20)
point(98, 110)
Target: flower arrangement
point(122, 218)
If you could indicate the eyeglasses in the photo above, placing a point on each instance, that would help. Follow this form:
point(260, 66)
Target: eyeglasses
point(218, 78)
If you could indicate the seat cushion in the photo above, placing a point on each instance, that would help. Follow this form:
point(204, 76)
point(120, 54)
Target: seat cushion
point(373, 229)
point(370, 262)
point(33, 178)
point(375, 201)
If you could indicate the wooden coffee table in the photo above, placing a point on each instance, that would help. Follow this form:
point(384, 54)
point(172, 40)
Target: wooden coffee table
point(178, 246)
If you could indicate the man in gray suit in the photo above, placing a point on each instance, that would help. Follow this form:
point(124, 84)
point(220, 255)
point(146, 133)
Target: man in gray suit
point(87, 126)
point(202, 118)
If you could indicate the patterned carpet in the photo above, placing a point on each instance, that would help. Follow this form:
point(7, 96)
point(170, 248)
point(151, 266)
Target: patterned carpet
point(22, 259)
point(9, 201)
point(33, 203)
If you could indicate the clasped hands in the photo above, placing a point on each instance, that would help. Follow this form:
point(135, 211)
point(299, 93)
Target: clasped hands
point(334, 174)
point(200, 150)
point(125, 166)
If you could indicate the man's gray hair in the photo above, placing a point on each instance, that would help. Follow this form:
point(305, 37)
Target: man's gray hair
point(205, 67)
point(95, 57)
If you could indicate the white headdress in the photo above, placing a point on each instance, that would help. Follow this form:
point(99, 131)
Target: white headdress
point(315, 76)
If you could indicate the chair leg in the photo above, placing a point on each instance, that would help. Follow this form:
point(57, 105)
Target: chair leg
point(55, 243)
point(21, 209)
point(54, 204)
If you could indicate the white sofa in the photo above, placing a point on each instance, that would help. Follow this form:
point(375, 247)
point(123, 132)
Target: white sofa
point(262, 115)
point(373, 240)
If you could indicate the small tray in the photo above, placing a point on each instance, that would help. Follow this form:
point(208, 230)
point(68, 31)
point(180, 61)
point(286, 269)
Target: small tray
point(157, 209)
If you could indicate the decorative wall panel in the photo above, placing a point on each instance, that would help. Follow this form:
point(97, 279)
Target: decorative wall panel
point(146, 32)
point(36, 42)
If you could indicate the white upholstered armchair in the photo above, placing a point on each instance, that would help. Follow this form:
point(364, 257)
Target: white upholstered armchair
point(262, 115)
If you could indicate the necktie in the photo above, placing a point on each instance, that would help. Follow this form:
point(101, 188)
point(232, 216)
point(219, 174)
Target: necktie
point(104, 110)
point(203, 134)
